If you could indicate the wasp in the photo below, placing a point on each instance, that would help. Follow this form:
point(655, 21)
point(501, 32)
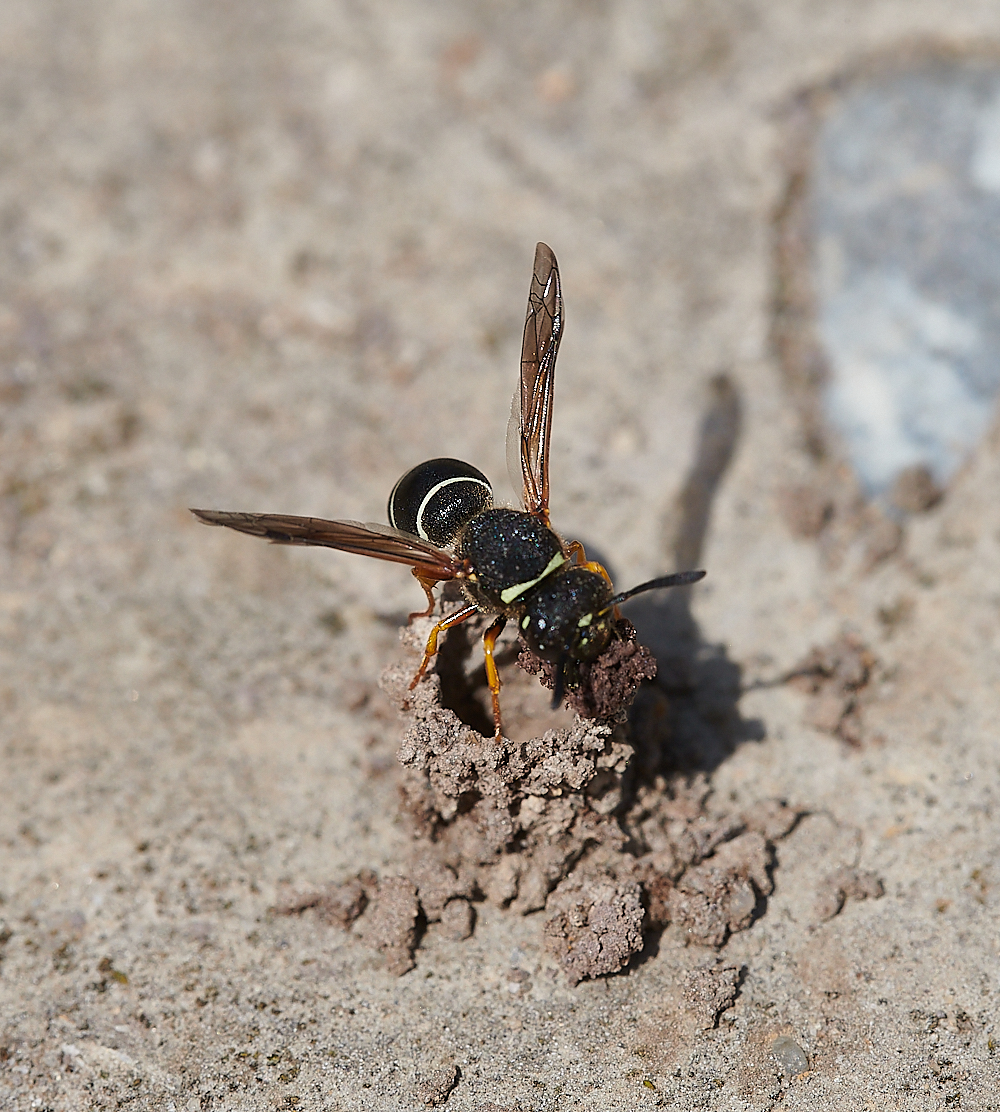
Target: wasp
point(511, 564)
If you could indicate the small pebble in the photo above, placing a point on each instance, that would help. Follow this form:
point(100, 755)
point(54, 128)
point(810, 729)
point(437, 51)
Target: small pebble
point(789, 1055)
point(435, 1089)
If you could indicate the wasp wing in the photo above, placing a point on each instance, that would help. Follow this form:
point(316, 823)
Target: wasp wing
point(530, 425)
point(349, 536)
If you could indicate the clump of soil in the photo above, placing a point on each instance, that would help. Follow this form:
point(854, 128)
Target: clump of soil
point(389, 906)
point(709, 990)
point(843, 885)
point(596, 926)
point(609, 684)
point(836, 676)
point(557, 823)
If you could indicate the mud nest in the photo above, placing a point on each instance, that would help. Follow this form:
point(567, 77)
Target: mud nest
point(558, 824)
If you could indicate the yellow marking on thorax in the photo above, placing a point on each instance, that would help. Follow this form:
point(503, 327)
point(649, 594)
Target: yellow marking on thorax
point(508, 594)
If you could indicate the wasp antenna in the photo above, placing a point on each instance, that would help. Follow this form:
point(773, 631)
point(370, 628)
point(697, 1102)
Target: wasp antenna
point(678, 579)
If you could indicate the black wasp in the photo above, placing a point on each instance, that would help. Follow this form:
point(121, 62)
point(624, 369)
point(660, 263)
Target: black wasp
point(510, 563)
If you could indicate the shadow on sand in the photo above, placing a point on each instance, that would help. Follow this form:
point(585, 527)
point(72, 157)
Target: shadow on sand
point(688, 719)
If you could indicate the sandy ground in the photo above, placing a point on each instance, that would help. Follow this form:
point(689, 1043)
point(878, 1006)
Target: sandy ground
point(268, 256)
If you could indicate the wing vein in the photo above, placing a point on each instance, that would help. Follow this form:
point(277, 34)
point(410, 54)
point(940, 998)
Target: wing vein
point(379, 541)
point(542, 332)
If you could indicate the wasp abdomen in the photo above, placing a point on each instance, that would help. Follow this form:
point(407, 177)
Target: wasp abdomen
point(512, 552)
point(435, 499)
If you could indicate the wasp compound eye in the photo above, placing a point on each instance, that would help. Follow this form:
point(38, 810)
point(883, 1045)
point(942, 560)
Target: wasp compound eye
point(435, 499)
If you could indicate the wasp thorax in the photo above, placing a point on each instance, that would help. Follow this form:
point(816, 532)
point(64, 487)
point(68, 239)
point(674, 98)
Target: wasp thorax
point(563, 619)
point(511, 552)
point(435, 499)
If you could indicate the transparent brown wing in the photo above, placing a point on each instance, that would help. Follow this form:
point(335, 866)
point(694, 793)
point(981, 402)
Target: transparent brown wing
point(542, 332)
point(349, 536)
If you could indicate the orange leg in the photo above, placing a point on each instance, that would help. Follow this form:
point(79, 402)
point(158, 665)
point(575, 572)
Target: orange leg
point(455, 619)
point(576, 552)
point(492, 675)
point(427, 584)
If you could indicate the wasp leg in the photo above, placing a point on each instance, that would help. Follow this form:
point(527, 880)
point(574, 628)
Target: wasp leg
point(432, 642)
point(492, 675)
point(576, 552)
point(427, 584)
